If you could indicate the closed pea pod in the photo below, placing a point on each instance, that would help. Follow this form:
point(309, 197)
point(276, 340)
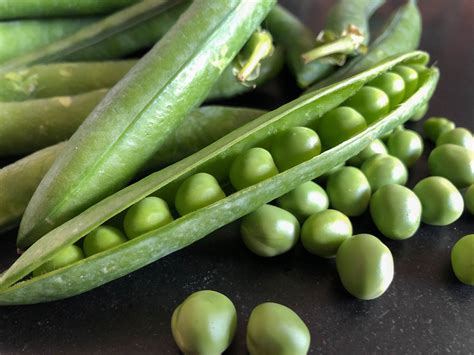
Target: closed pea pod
point(435, 126)
point(383, 169)
point(469, 199)
point(102, 238)
point(453, 162)
point(462, 259)
point(406, 145)
point(370, 102)
point(458, 136)
point(374, 148)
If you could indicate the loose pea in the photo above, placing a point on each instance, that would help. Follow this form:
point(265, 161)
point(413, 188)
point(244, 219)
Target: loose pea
point(410, 77)
point(442, 203)
point(295, 146)
point(396, 211)
point(457, 136)
point(376, 147)
point(270, 231)
point(275, 329)
point(66, 256)
point(102, 238)
point(469, 199)
point(462, 259)
point(339, 125)
point(420, 112)
point(307, 199)
point(348, 191)
point(144, 216)
point(435, 126)
point(372, 103)
point(393, 85)
point(406, 145)
point(365, 266)
point(382, 169)
point(204, 323)
point(196, 192)
point(323, 233)
point(453, 162)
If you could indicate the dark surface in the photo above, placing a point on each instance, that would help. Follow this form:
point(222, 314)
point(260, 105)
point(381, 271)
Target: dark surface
point(426, 310)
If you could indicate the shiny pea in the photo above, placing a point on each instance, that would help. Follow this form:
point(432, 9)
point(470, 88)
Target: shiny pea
point(406, 145)
point(338, 125)
point(441, 201)
point(251, 167)
point(457, 136)
point(102, 238)
point(393, 85)
point(469, 199)
point(204, 323)
point(66, 256)
point(323, 233)
point(420, 69)
point(462, 259)
point(144, 216)
point(435, 126)
point(276, 329)
point(382, 169)
point(396, 211)
point(385, 137)
point(307, 199)
point(372, 103)
point(410, 77)
point(196, 192)
point(420, 112)
point(365, 266)
point(453, 162)
point(270, 231)
point(348, 191)
point(294, 146)
point(375, 147)
point(322, 179)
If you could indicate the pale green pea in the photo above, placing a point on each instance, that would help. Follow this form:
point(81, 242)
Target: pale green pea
point(406, 145)
point(375, 147)
point(66, 256)
point(372, 103)
point(453, 162)
point(102, 238)
point(435, 126)
point(410, 77)
point(462, 259)
point(393, 85)
point(382, 169)
point(307, 199)
point(457, 136)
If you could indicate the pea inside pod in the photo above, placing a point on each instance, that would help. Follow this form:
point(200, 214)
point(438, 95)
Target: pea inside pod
point(64, 257)
point(370, 102)
point(393, 85)
point(409, 76)
point(102, 238)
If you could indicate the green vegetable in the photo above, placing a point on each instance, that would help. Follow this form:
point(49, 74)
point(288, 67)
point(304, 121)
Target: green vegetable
point(102, 238)
point(370, 102)
point(458, 136)
point(375, 147)
point(396, 211)
point(462, 259)
point(406, 145)
point(130, 125)
point(348, 191)
point(270, 231)
point(420, 113)
point(383, 169)
point(324, 232)
point(64, 257)
point(365, 266)
point(276, 329)
point(410, 77)
point(307, 199)
point(442, 202)
point(469, 199)
point(216, 158)
point(435, 126)
point(204, 323)
point(393, 85)
point(453, 162)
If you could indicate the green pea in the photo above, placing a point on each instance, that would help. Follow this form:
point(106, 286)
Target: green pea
point(348, 191)
point(375, 147)
point(102, 238)
point(251, 167)
point(382, 169)
point(323, 233)
point(396, 211)
point(372, 103)
point(435, 126)
point(204, 324)
point(385, 137)
point(324, 177)
point(442, 202)
point(307, 199)
point(66, 256)
point(453, 162)
point(365, 266)
point(197, 191)
point(469, 199)
point(457, 136)
point(144, 216)
point(270, 231)
point(338, 125)
point(462, 259)
point(420, 112)
point(410, 77)
point(420, 69)
point(275, 329)
point(406, 145)
point(294, 146)
point(393, 85)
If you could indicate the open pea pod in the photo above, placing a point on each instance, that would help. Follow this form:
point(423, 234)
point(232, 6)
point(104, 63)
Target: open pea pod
point(106, 266)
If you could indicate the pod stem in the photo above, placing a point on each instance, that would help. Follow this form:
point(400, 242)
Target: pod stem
point(258, 47)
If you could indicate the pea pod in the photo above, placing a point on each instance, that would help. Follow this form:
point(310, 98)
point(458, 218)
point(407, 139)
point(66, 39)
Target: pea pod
point(131, 123)
point(113, 263)
point(201, 127)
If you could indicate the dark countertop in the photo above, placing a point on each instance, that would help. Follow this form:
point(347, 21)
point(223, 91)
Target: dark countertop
point(425, 310)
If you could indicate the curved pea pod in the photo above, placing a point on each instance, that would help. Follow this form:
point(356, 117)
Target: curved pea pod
point(216, 158)
point(131, 123)
point(401, 34)
point(18, 181)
